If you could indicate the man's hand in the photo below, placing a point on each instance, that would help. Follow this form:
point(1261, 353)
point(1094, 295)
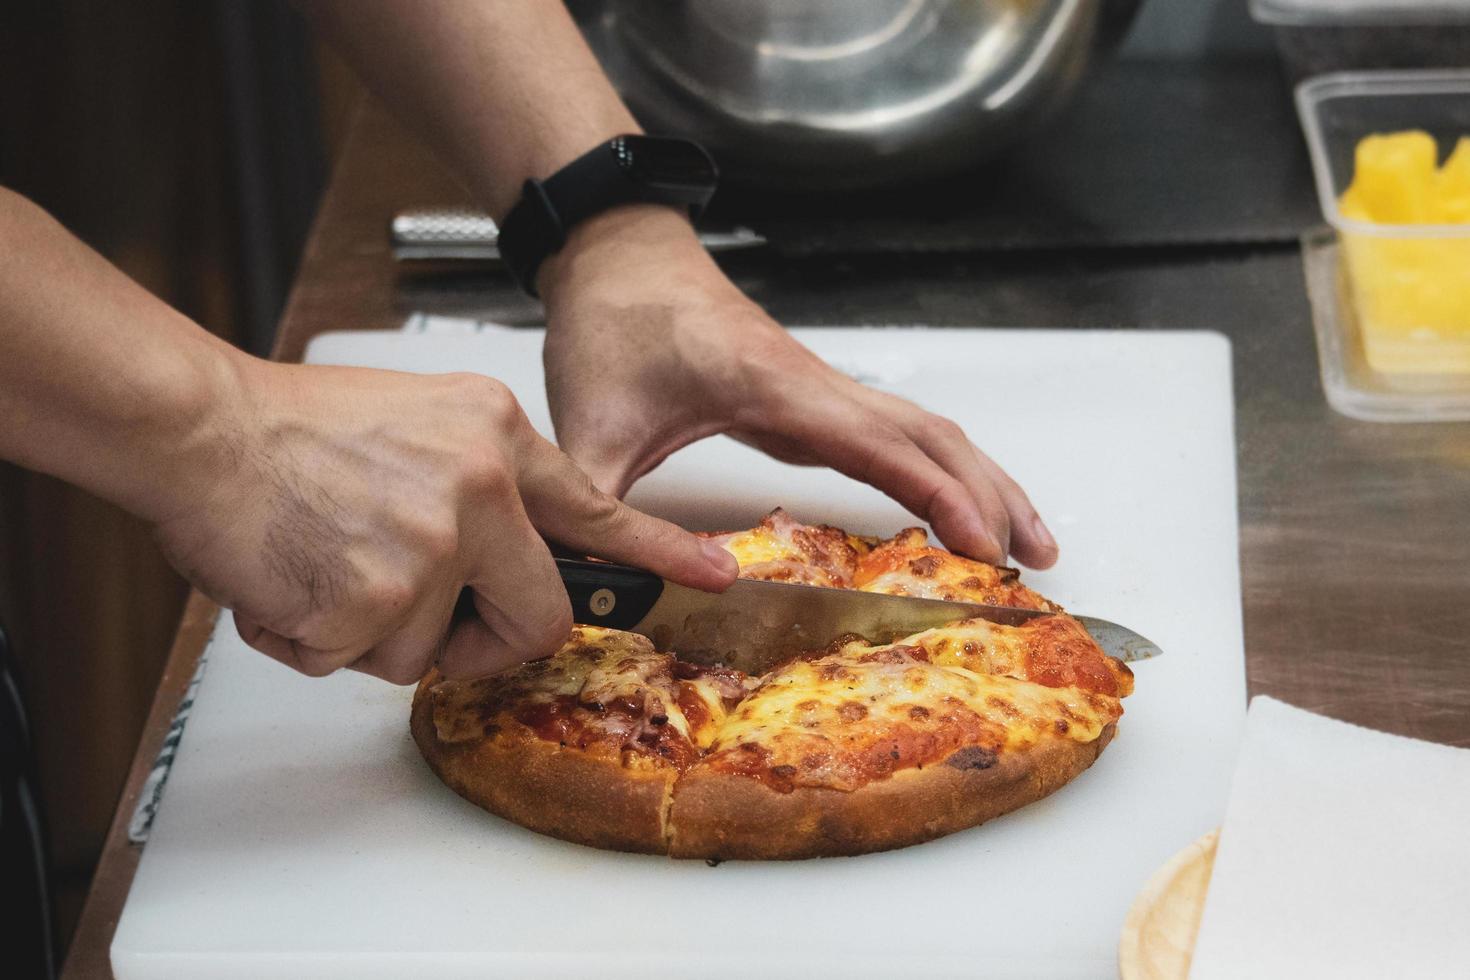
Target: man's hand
point(649, 348)
point(338, 511)
point(351, 507)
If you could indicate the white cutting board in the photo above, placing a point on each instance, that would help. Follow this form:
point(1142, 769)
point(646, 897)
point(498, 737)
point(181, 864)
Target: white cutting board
point(301, 835)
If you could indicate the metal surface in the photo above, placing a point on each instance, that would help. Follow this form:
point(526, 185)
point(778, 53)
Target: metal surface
point(467, 234)
point(1132, 161)
point(754, 625)
point(1119, 641)
point(822, 93)
point(445, 233)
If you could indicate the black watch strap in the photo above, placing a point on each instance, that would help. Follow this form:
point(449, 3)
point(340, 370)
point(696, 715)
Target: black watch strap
point(624, 170)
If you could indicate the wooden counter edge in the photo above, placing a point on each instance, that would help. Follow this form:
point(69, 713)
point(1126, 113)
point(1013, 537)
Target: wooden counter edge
point(90, 953)
point(88, 956)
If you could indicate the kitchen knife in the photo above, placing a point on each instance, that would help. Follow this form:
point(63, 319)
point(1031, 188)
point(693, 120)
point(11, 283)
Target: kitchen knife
point(753, 625)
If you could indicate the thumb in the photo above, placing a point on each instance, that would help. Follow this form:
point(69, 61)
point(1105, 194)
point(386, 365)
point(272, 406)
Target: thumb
point(565, 505)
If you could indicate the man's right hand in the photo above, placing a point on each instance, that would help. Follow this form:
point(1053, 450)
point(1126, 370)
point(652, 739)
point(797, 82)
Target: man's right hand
point(344, 510)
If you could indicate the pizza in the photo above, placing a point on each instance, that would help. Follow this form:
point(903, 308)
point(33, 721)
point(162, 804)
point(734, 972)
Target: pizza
point(851, 748)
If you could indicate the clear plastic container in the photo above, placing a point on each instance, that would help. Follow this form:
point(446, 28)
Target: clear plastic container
point(1349, 381)
point(1319, 36)
point(1409, 284)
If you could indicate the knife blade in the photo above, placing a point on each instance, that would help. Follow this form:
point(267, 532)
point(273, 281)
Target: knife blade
point(753, 625)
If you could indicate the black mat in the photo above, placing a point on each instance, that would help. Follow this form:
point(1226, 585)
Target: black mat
point(1148, 154)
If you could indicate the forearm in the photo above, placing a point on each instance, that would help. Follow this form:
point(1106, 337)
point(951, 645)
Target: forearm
point(101, 383)
point(502, 89)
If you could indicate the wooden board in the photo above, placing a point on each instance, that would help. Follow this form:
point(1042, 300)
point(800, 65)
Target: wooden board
point(1159, 933)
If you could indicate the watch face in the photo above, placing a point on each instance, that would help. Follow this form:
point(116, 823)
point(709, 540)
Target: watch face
point(665, 162)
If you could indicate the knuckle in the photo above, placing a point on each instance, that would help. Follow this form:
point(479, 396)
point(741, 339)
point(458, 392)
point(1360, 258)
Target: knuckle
point(497, 403)
point(387, 595)
point(403, 671)
point(313, 663)
point(308, 622)
point(438, 538)
point(943, 429)
point(1006, 485)
point(885, 432)
point(604, 511)
point(487, 473)
point(947, 500)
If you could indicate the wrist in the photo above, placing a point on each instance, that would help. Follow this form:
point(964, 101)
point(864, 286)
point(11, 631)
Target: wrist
point(620, 246)
point(193, 435)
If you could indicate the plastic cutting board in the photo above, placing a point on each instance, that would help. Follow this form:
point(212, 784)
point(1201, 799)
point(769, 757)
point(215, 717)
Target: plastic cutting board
point(300, 834)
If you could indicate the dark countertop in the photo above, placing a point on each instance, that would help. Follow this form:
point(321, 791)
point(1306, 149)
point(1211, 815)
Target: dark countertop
point(1355, 537)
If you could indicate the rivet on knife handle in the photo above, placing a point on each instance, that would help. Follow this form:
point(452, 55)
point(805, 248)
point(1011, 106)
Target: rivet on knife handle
point(614, 596)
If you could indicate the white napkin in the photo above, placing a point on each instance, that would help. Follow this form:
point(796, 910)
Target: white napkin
point(1345, 852)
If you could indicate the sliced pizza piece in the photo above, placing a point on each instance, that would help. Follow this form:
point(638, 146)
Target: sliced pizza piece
point(781, 549)
point(584, 745)
point(868, 750)
point(906, 564)
point(1054, 650)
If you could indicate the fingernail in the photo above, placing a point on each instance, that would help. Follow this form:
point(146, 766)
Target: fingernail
point(719, 557)
point(1043, 536)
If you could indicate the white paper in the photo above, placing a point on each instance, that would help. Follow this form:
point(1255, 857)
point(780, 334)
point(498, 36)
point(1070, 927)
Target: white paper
point(1345, 852)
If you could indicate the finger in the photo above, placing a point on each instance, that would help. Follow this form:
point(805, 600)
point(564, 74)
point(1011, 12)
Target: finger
point(406, 656)
point(608, 476)
point(866, 445)
point(1032, 543)
point(518, 597)
point(308, 660)
point(1008, 510)
point(564, 504)
point(473, 650)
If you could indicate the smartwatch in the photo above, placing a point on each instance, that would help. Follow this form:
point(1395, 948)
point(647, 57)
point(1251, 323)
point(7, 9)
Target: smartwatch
point(624, 170)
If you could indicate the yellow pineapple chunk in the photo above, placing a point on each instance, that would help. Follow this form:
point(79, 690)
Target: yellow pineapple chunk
point(1452, 187)
point(1394, 174)
point(1411, 290)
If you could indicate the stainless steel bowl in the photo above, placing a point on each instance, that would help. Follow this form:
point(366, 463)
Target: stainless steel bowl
point(846, 93)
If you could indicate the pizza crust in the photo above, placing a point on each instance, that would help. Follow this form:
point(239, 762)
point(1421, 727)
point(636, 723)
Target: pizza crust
point(578, 796)
point(594, 800)
point(720, 815)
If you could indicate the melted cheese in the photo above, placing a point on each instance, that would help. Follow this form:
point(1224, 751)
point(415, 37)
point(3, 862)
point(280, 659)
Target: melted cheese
point(907, 565)
point(599, 668)
point(1056, 651)
point(836, 695)
point(702, 730)
point(782, 550)
point(974, 644)
point(838, 723)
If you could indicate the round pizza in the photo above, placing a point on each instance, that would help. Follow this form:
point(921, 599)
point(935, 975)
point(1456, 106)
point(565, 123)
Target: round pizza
point(853, 748)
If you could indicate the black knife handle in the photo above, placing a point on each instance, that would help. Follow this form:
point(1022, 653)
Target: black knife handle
point(614, 596)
